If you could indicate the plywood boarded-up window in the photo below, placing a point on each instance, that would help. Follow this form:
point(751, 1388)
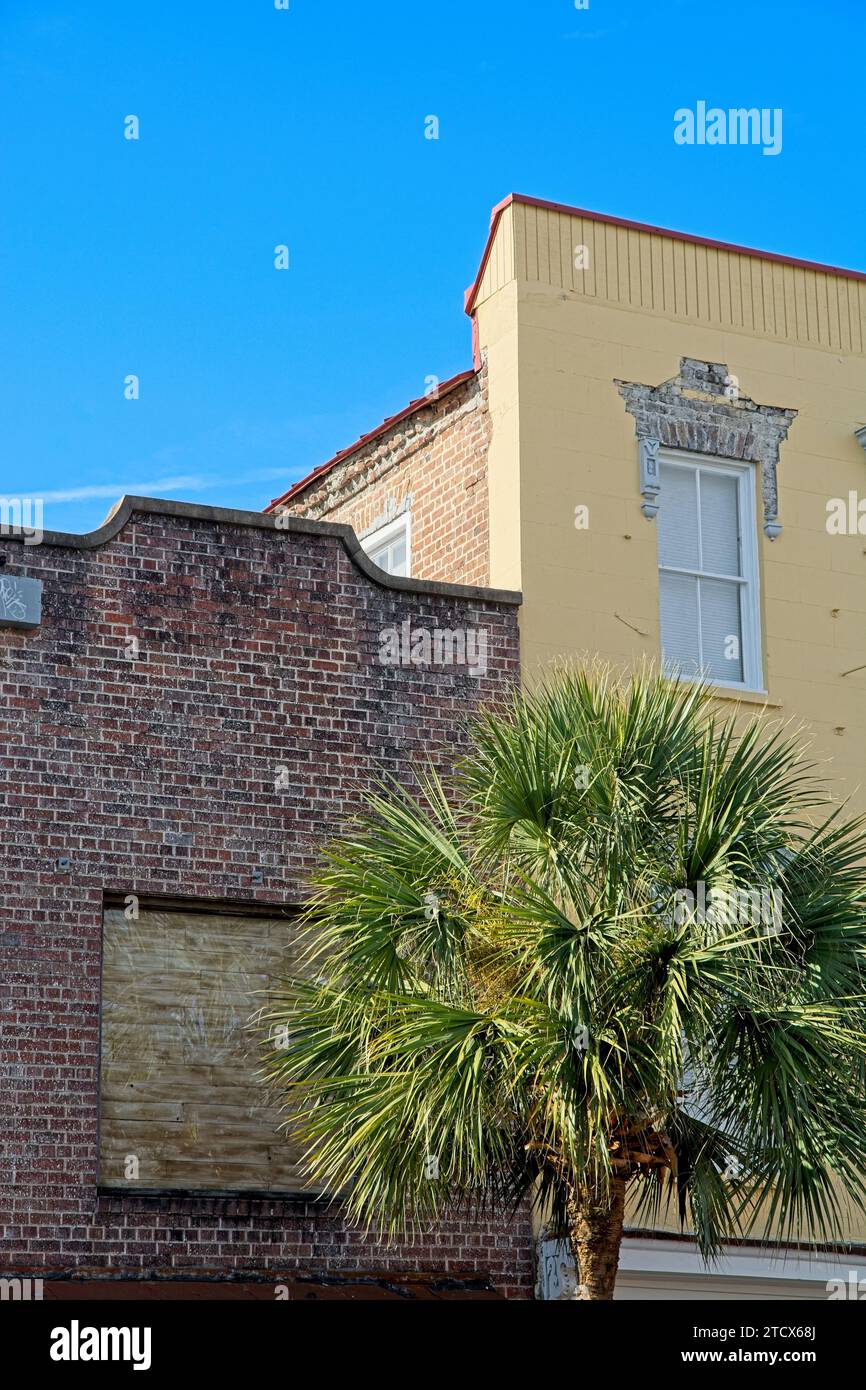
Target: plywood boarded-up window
point(181, 1105)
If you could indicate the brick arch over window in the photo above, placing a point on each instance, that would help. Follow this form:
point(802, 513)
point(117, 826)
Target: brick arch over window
point(702, 410)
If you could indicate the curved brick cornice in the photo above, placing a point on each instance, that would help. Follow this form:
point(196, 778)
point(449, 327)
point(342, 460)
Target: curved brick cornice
point(702, 411)
point(122, 513)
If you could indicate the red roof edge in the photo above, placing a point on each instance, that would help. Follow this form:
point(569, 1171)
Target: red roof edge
point(469, 296)
point(443, 389)
point(471, 293)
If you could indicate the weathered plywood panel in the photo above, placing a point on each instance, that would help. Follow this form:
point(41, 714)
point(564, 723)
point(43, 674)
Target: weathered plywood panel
point(179, 1091)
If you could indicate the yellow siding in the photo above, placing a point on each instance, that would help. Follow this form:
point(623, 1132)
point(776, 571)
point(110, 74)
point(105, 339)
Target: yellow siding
point(499, 269)
point(649, 271)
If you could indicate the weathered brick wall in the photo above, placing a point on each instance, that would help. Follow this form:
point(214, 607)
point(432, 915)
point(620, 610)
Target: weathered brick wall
point(257, 648)
point(432, 463)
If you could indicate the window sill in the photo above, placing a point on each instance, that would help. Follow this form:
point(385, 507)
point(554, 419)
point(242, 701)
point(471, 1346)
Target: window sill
point(740, 693)
point(746, 697)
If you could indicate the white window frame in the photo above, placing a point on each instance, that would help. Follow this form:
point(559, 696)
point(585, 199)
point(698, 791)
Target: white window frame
point(385, 535)
point(750, 599)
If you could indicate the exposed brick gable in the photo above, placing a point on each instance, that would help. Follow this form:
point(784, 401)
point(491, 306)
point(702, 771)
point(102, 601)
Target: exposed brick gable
point(433, 463)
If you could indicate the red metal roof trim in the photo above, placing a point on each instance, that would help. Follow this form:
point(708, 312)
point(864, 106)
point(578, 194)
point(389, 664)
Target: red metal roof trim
point(469, 298)
point(444, 388)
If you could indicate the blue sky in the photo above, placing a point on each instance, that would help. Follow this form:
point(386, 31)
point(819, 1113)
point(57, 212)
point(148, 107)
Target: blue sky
point(305, 127)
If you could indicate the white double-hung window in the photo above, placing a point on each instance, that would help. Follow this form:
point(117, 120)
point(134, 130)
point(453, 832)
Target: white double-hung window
point(390, 546)
point(708, 572)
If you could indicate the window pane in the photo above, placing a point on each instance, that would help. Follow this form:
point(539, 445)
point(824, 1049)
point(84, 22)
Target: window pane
point(390, 555)
point(397, 563)
point(679, 600)
point(721, 630)
point(379, 556)
point(719, 524)
point(678, 517)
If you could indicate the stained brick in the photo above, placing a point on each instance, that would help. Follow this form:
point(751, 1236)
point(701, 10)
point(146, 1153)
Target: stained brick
point(258, 648)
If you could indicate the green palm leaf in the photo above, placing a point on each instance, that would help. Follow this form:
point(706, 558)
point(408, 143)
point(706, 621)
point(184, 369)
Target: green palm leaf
point(513, 986)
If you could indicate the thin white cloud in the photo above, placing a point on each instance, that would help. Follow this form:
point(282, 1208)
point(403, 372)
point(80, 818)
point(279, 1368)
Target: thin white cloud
point(159, 487)
point(79, 494)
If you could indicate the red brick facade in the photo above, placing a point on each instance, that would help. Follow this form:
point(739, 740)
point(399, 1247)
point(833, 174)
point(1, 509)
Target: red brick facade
point(154, 772)
point(431, 462)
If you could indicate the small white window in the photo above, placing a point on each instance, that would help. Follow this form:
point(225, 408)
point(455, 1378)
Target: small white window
point(708, 572)
point(390, 546)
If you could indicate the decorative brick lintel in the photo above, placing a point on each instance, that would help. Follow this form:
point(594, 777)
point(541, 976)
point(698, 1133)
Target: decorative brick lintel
point(703, 411)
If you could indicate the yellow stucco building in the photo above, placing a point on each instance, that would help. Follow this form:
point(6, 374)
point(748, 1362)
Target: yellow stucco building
point(662, 447)
point(567, 305)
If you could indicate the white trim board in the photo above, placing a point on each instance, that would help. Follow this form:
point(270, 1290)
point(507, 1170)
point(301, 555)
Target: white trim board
point(646, 1255)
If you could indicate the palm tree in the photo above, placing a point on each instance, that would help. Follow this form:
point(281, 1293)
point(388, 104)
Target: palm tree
point(620, 954)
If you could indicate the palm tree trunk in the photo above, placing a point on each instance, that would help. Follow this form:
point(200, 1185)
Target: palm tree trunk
point(595, 1223)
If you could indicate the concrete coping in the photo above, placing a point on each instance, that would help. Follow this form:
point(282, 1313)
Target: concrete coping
point(124, 510)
